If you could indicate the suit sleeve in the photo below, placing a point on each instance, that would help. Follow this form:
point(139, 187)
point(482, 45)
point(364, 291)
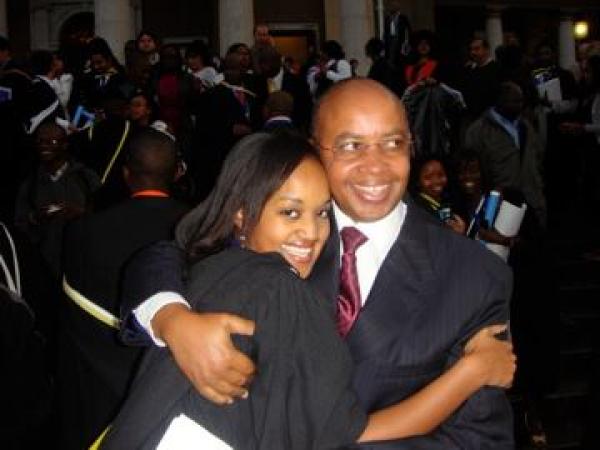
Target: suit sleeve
point(485, 420)
point(154, 269)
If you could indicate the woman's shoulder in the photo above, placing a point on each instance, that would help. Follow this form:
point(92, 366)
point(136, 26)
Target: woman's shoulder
point(237, 268)
point(236, 279)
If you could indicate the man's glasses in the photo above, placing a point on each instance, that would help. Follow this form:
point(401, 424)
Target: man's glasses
point(352, 148)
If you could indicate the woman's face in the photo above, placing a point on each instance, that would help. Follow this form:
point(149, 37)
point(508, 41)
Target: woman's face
point(423, 48)
point(432, 179)
point(139, 109)
point(469, 177)
point(295, 220)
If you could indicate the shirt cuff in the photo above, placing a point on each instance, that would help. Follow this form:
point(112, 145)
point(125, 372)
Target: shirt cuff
point(146, 311)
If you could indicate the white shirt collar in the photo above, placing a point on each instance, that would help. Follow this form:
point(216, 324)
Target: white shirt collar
point(381, 233)
point(381, 236)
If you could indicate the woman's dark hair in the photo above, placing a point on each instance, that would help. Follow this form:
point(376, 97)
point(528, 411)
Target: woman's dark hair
point(234, 48)
point(254, 169)
point(199, 48)
point(424, 35)
point(41, 62)
point(153, 35)
point(333, 50)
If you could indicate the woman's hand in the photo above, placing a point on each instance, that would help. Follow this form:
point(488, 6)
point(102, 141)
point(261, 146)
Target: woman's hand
point(491, 357)
point(457, 224)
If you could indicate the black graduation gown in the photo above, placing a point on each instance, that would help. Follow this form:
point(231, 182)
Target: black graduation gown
point(301, 397)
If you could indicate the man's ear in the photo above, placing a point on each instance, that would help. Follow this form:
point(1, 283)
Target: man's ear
point(238, 219)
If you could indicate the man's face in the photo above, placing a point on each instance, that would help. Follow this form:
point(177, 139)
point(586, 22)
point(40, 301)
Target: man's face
point(545, 56)
point(146, 44)
point(478, 53)
point(369, 185)
point(100, 64)
point(51, 144)
point(261, 35)
point(511, 105)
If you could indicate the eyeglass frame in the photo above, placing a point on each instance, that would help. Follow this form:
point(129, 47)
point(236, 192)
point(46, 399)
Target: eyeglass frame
point(408, 146)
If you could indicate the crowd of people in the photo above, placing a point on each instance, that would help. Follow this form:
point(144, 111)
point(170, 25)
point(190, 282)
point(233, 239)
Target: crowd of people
point(240, 157)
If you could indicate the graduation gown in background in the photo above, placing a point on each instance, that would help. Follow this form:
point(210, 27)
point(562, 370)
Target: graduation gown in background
point(94, 367)
point(301, 397)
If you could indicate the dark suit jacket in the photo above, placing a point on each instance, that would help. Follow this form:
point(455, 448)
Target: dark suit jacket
point(298, 89)
point(94, 368)
point(433, 291)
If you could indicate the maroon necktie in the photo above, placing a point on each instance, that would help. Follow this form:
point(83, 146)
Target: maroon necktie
point(349, 304)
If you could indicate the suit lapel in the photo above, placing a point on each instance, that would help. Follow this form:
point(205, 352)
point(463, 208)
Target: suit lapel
point(398, 291)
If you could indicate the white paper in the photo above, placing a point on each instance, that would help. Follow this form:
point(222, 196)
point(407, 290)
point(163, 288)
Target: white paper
point(509, 219)
point(185, 434)
point(551, 90)
point(508, 222)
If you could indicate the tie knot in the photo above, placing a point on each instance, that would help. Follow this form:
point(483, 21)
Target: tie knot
point(352, 238)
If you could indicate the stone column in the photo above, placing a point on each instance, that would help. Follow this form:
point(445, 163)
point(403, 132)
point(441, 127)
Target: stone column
point(332, 20)
point(356, 28)
point(236, 23)
point(115, 22)
point(3, 19)
point(566, 41)
point(493, 28)
point(40, 28)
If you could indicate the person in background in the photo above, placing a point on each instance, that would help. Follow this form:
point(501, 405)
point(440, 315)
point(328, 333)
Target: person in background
point(511, 157)
point(430, 183)
point(332, 68)
point(424, 66)
point(278, 111)
point(480, 81)
point(381, 70)
point(197, 59)
point(95, 370)
point(468, 198)
point(107, 79)
point(148, 45)
point(262, 39)
point(43, 104)
point(59, 191)
point(276, 78)
point(63, 83)
point(588, 131)
point(141, 110)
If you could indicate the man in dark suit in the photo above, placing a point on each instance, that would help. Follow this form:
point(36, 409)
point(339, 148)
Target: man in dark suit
point(277, 78)
point(423, 289)
point(278, 112)
point(94, 369)
point(227, 112)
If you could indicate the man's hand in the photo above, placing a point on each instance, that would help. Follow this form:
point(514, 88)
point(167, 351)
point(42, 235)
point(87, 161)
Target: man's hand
point(201, 345)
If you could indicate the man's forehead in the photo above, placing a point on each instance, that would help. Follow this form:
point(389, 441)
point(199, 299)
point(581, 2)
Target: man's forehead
point(354, 120)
